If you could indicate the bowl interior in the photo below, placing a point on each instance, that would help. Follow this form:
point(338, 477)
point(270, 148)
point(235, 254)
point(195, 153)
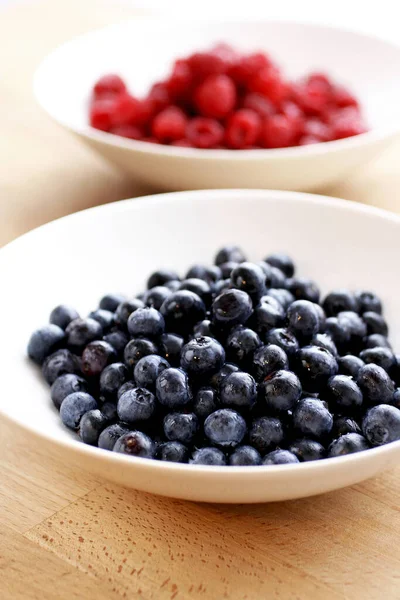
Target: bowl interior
point(143, 50)
point(114, 248)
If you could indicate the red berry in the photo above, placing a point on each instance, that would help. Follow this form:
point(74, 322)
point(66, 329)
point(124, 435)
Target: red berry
point(346, 123)
point(169, 124)
point(317, 129)
point(101, 114)
point(313, 99)
point(204, 133)
point(295, 115)
point(158, 97)
point(306, 140)
point(243, 129)
point(216, 96)
point(226, 53)
point(268, 82)
point(260, 104)
point(183, 143)
point(277, 132)
point(203, 64)
point(150, 139)
point(127, 110)
point(343, 98)
point(109, 85)
point(319, 80)
point(246, 67)
point(180, 78)
point(128, 131)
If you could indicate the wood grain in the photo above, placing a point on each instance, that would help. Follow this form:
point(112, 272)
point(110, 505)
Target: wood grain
point(64, 533)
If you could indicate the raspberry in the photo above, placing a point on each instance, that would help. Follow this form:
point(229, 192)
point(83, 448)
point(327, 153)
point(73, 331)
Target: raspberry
point(169, 124)
point(246, 67)
point(259, 104)
point(226, 53)
point(204, 133)
point(295, 115)
point(128, 131)
point(216, 96)
point(277, 132)
point(127, 110)
point(109, 85)
point(101, 114)
point(316, 129)
point(243, 129)
point(183, 143)
point(158, 97)
point(306, 140)
point(312, 99)
point(180, 78)
point(319, 80)
point(268, 82)
point(203, 64)
point(343, 97)
point(346, 124)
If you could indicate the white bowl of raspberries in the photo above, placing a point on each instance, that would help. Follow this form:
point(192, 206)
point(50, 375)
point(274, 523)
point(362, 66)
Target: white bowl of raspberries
point(178, 345)
point(182, 105)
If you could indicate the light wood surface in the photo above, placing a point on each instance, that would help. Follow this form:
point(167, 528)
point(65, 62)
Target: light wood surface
point(65, 534)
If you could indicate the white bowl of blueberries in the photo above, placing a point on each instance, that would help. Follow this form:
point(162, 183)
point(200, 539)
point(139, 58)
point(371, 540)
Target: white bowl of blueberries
point(255, 366)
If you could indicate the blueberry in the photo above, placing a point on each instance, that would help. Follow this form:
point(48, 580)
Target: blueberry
point(159, 278)
point(91, 425)
point(109, 410)
point(172, 285)
point(350, 365)
point(65, 385)
point(110, 435)
point(303, 319)
point(396, 399)
point(205, 402)
point(96, 356)
point(283, 296)
point(303, 289)
point(265, 433)
point(136, 349)
point(112, 378)
point(312, 419)
point(106, 318)
point(381, 425)
point(226, 270)
point(128, 385)
point(80, 332)
point(244, 456)
point(217, 379)
point(154, 297)
point(204, 327)
point(321, 317)
point(229, 253)
point(209, 457)
point(368, 301)
point(339, 301)
point(282, 262)
point(173, 452)
point(171, 346)
point(241, 344)
point(280, 457)
point(180, 427)
point(137, 404)
point(338, 331)
point(238, 390)
point(383, 357)
point(111, 301)
point(314, 366)
point(347, 444)
point(148, 369)
point(395, 373)
point(62, 315)
point(354, 323)
point(266, 317)
point(44, 341)
point(323, 340)
point(267, 360)
point(283, 338)
point(249, 278)
point(343, 393)
point(232, 307)
point(375, 323)
point(376, 340)
point(118, 340)
point(209, 274)
point(307, 449)
point(274, 277)
point(182, 310)
point(125, 309)
point(172, 388)
point(225, 427)
point(59, 363)
point(280, 390)
point(199, 287)
point(146, 322)
point(135, 443)
point(343, 425)
point(74, 406)
point(202, 356)
point(375, 384)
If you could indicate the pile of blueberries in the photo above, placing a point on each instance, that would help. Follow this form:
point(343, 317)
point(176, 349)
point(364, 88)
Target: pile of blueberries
point(236, 364)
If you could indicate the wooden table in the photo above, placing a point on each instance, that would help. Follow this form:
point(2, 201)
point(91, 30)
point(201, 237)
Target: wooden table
point(66, 534)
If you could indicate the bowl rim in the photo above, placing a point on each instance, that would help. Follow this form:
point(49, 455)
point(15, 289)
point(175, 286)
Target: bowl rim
point(71, 444)
point(293, 152)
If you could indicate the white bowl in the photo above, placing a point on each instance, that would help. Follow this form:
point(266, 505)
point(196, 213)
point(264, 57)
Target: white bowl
point(143, 50)
point(114, 248)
